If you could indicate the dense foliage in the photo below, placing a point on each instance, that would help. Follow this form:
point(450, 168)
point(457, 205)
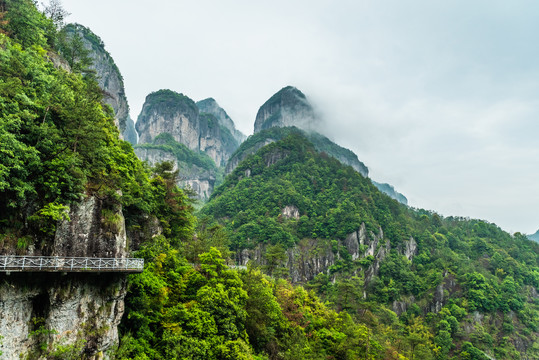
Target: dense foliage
point(169, 102)
point(165, 142)
point(468, 290)
point(58, 142)
point(320, 142)
point(481, 271)
point(208, 311)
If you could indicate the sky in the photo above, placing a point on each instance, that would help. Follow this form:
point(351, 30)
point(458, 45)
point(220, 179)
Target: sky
point(438, 98)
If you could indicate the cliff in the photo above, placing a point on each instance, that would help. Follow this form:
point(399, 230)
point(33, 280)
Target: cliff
point(199, 143)
point(197, 170)
point(167, 112)
point(108, 76)
point(68, 314)
point(288, 107)
point(320, 142)
point(391, 192)
point(210, 106)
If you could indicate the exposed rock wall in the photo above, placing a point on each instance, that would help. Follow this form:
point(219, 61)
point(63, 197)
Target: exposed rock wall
point(212, 133)
point(211, 106)
point(202, 181)
point(94, 230)
point(288, 107)
point(78, 310)
point(314, 256)
point(75, 309)
point(108, 75)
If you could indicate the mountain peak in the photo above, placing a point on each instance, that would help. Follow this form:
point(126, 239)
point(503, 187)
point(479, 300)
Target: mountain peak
point(288, 107)
point(210, 106)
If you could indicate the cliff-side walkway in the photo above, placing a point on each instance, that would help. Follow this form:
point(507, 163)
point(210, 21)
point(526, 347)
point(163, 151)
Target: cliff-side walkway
point(11, 263)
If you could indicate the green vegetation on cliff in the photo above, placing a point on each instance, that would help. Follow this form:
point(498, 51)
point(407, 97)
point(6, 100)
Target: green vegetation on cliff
point(462, 269)
point(165, 142)
point(465, 290)
point(58, 141)
point(169, 102)
point(320, 142)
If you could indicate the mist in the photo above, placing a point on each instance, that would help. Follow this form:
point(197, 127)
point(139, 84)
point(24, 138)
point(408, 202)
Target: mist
point(437, 99)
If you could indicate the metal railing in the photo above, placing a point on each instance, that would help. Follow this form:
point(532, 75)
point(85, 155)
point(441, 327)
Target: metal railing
point(11, 263)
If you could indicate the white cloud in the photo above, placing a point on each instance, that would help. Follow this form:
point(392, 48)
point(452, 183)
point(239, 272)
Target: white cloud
point(437, 98)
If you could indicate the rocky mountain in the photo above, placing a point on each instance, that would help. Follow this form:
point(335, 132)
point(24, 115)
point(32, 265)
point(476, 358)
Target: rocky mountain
point(391, 192)
point(287, 107)
point(108, 76)
point(172, 127)
point(321, 143)
point(534, 237)
point(210, 106)
point(297, 213)
point(197, 170)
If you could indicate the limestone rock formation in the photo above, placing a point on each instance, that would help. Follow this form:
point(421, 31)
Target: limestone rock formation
point(198, 177)
point(95, 229)
point(77, 310)
point(172, 128)
point(108, 76)
point(288, 107)
point(311, 257)
point(166, 111)
point(210, 106)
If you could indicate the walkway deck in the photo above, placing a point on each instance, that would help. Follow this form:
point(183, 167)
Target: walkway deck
point(10, 263)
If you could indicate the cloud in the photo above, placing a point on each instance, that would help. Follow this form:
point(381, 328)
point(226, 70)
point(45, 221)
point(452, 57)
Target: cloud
point(437, 98)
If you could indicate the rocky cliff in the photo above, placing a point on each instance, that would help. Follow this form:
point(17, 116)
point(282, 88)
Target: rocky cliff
point(391, 192)
point(197, 171)
point(210, 106)
point(288, 107)
point(176, 122)
point(108, 76)
point(534, 237)
point(311, 257)
point(46, 314)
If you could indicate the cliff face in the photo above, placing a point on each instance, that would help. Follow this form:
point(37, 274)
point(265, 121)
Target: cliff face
point(168, 112)
point(170, 121)
point(288, 107)
point(108, 76)
point(210, 106)
point(79, 312)
point(311, 257)
point(198, 177)
point(391, 192)
point(320, 142)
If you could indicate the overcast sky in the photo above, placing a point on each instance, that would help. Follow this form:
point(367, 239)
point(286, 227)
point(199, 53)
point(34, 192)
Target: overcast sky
point(438, 98)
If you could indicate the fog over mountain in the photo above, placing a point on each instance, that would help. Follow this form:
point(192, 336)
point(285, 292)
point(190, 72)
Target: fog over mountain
point(438, 99)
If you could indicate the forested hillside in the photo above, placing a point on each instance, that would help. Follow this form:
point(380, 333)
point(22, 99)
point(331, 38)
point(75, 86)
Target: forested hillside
point(469, 285)
point(374, 279)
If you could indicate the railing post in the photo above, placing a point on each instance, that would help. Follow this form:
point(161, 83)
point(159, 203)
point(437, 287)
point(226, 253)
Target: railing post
point(40, 263)
point(86, 264)
point(23, 260)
